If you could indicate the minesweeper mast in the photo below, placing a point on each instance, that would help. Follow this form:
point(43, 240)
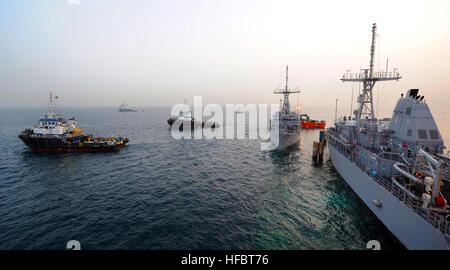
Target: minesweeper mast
point(285, 124)
point(395, 165)
point(286, 108)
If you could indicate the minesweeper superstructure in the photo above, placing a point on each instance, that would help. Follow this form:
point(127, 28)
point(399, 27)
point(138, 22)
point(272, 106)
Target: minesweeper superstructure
point(395, 165)
point(53, 133)
point(285, 124)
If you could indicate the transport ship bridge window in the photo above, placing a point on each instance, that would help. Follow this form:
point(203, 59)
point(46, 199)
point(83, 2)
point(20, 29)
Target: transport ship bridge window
point(408, 111)
point(422, 134)
point(434, 134)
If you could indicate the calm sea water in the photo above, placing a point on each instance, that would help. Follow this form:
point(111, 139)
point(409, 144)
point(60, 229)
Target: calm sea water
point(162, 193)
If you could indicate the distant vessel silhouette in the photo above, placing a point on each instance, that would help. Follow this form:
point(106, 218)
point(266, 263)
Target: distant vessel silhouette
point(124, 108)
point(185, 117)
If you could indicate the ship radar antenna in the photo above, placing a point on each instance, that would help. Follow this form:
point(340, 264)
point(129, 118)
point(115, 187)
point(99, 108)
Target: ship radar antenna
point(368, 78)
point(51, 107)
point(286, 92)
point(287, 72)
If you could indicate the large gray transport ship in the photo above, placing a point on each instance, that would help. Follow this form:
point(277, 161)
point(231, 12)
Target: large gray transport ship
point(397, 165)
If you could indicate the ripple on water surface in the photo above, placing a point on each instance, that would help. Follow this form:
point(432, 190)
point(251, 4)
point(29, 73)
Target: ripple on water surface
point(161, 193)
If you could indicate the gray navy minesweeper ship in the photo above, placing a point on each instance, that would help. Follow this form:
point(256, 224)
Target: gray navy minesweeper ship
point(396, 166)
point(285, 125)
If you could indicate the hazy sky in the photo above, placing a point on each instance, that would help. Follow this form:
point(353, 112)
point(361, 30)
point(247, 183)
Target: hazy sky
point(155, 53)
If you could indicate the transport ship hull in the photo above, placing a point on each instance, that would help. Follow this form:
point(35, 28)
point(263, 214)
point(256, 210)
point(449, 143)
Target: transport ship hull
point(408, 227)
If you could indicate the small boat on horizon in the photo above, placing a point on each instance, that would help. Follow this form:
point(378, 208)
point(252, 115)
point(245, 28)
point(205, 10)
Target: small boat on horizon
point(124, 108)
point(239, 110)
point(185, 116)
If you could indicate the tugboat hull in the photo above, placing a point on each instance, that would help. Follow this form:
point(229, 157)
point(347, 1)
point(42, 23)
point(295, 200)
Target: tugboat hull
point(61, 144)
point(74, 149)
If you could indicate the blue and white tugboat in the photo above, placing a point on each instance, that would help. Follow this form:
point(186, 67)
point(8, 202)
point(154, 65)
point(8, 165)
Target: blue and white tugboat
point(397, 165)
point(53, 133)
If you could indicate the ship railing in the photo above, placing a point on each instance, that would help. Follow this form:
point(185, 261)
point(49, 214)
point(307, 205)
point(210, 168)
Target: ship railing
point(435, 219)
point(44, 135)
point(375, 75)
point(394, 157)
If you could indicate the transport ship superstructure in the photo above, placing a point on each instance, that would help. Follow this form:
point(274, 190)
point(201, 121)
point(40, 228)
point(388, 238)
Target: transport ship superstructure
point(397, 165)
point(55, 133)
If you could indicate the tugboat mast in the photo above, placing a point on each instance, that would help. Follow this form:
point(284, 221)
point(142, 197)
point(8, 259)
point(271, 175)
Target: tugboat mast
point(369, 78)
point(286, 92)
point(51, 107)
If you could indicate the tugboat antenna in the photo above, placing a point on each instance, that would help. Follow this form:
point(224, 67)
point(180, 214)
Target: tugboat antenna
point(51, 107)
